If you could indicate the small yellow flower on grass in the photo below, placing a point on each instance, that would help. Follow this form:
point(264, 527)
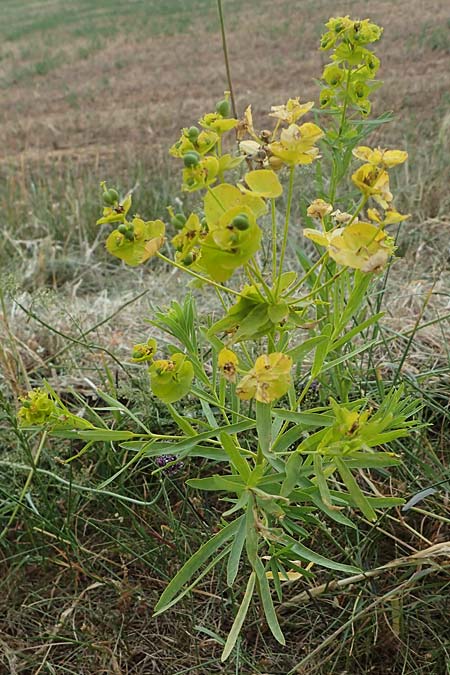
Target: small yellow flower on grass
point(291, 111)
point(227, 362)
point(37, 408)
point(144, 352)
point(319, 209)
point(201, 174)
point(268, 380)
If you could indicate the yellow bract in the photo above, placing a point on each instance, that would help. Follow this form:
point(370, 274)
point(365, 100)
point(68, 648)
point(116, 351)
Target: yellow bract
point(263, 183)
point(361, 245)
point(391, 216)
point(37, 408)
point(143, 352)
point(218, 123)
point(319, 209)
point(148, 237)
point(268, 380)
point(227, 362)
point(291, 111)
point(297, 144)
point(115, 214)
point(200, 176)
point(224, 197)
point(379, 157)
point(373, 182)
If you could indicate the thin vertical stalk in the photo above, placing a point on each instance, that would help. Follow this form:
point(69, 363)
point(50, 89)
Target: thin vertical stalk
point(226, 59)
point(286, 228)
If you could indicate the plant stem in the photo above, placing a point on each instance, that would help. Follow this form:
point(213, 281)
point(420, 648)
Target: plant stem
point(274, 241)
point(286, 229)
point(225, 56)
point(197, 276)
point(34, 462)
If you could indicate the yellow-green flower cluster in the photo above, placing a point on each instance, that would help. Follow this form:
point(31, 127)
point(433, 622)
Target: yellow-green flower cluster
point(350, 78)
point(170, 379)
point(363, 245)
point(288, 144)
point(37, 408)
point(133, 241)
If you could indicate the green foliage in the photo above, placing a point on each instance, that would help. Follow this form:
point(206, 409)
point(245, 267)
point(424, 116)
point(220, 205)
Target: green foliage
point(286, 467)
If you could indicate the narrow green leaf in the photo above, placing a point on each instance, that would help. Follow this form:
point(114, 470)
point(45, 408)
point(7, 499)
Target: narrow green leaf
point(355, 330)
point(292, 468)
point(321, 351)
point(251, 535)
point(107, 435)
point(240, 618)
point(311, 556)
point(237, 460)
point(194, 563)
point(235, 553)
point(354, 490)
point(182, 422)
point(267, 603)
point(217, 483)
point(299, 352)
point(264, 427)
point(321, 480)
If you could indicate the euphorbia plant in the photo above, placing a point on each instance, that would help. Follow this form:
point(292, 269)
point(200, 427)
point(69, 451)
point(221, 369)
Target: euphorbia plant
point(286, 467)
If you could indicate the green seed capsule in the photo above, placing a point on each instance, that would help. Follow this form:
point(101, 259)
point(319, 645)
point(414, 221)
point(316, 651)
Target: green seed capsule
point(123, 229)
point(193, 133)
point(191, 159)
point(241, 222)
point(129, 234)
point(181, 217)
point(177, 223)
point(223, 108)
point(114, 195)
point(188, 259)
point(107, 200)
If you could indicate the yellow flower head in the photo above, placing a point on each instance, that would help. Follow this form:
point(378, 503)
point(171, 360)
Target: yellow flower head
point(373, 181)
point(37, 408)
point(291, 111)
point(227, 362)
point(144, 352)
point(319, 209)
point(171, 379)
point(269, 379)
point(217, 122)
point(297, 144)
point(380, 158)
point(116, 213)
point(391, 216)
point(136, 242)
point(361, 245)
point(343, 218)
point(245, 125)
point(201, 175)
point(188, 237)
point(202, 142)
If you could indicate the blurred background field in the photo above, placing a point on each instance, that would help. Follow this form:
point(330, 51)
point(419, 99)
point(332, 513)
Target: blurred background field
point(95, 90)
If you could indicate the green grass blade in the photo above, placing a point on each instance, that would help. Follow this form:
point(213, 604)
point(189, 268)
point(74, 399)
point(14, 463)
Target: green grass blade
point(240, 618)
